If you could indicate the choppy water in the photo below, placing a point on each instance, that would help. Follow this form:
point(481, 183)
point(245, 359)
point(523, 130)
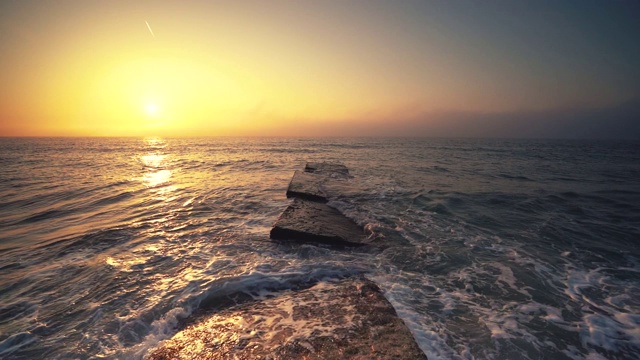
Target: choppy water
point(497, 249)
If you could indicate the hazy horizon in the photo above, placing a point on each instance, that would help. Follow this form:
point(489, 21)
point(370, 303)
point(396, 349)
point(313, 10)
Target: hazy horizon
point(422, 69)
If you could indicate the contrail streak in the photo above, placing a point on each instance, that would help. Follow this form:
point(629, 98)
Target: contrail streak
point(151, 31)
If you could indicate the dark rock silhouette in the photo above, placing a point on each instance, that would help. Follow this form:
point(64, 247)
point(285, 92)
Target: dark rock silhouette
point(307, 221)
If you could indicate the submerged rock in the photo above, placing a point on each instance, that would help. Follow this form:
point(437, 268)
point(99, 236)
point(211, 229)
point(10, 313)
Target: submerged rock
point(307, 221)
point(331, 320)
point(329, 169)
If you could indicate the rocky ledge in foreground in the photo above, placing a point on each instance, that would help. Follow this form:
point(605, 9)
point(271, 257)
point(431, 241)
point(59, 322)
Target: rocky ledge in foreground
point(331, 320)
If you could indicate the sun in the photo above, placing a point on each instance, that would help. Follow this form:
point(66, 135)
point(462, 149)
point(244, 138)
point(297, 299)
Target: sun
point(151, 109)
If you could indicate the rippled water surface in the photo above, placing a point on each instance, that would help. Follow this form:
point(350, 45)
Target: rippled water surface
point(496, 249)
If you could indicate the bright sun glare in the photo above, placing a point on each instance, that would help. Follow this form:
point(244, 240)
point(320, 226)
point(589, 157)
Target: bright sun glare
point(151, 109)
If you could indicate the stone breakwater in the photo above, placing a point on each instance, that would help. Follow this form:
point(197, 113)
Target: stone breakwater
point(333, 319)
point(309, 218)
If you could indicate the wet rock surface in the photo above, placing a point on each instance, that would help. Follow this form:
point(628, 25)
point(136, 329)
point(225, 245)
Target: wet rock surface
point(307, 186)
point(329, 169)
point(307, 221)
point(331, 320)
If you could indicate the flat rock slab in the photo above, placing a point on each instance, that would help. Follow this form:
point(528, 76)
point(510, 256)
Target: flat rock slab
point(328, 169)
point(307, 186)
point(307, 221)
point(344, 320)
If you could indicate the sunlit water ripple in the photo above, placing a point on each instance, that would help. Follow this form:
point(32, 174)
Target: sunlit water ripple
point(497, 249)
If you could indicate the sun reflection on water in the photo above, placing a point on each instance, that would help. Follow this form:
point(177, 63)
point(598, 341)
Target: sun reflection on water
point(153, 179)
point(155, 162)
point(154, 142)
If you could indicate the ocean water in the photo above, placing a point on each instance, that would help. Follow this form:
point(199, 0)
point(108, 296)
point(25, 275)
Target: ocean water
point(497, 249)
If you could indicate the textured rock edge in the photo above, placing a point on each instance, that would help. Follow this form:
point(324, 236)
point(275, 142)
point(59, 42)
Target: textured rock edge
point(375, 332)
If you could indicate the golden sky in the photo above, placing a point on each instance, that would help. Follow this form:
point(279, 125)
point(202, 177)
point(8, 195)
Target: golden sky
point(207, 68)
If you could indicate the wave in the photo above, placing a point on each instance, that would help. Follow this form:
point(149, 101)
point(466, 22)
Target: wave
point(111, 199)
point(15, 342)
point(488, 254)
point(515, 177)
point(45, 215)
point(224, 293)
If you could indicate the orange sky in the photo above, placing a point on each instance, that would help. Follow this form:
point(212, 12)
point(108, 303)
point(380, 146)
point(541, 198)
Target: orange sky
point(89, 68)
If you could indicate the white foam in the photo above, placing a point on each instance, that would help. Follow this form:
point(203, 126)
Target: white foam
point(608, 332)
point(427, 333)
point(161, 329)
point(274, 324)
point(500, 327)
point(609, 323)
point(546, 312)
point(506, 276)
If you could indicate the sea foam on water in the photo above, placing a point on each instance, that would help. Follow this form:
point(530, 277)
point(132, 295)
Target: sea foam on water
point(493, 248)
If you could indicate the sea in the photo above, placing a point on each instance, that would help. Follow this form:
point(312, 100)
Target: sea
point(494, 249)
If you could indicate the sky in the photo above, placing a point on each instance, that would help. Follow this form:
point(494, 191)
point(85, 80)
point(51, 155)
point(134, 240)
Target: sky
point(566, 69)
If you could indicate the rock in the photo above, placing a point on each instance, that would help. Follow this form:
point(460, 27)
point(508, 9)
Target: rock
point(307, 186)
point(331, 320)
point(329, 169)
point(307, 221)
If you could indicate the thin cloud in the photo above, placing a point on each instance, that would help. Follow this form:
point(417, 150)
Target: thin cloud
point(151, 31)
